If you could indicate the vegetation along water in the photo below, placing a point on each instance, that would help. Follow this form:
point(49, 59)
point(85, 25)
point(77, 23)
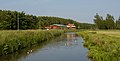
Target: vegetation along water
point(102, 45)
point(12, 40)
point(67, 47)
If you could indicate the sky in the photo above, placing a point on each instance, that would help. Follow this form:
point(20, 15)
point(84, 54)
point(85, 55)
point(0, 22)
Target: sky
point(80, 10)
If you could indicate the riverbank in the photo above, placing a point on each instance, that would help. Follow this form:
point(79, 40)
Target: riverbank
point(12, 40)
point(102, 45)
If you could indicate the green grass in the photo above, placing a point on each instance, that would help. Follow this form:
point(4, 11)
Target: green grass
point(35, 48)
point(102, 45)
point(12, 40)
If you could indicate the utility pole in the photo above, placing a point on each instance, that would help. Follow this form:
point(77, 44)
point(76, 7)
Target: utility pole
point(18, 21)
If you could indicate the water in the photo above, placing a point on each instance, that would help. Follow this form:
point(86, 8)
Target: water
point(65, 48)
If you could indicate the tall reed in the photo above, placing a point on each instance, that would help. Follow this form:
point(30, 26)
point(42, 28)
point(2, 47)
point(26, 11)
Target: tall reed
point(101, 47)
point(12, 40)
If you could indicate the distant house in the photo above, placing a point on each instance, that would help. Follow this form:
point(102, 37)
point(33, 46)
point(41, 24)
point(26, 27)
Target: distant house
point(71, 26)
point(57, 26)
point(47, 28)
point(60, 26)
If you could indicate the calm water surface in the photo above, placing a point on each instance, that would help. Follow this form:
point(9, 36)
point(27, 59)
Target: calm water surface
point(65, 48)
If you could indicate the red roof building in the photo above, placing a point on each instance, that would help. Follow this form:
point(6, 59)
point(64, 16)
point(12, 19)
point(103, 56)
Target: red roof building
point(57, 26)
point(71, 26)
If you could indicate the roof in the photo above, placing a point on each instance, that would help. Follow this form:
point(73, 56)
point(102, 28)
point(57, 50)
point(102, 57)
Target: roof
point(58, 25)
point(71, 25)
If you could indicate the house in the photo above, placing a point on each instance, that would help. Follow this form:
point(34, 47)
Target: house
point(47, 28)
point(57, 26)
point(60, 26)
point(71, 26)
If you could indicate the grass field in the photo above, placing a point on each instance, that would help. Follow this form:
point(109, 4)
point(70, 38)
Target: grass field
point(103, 45)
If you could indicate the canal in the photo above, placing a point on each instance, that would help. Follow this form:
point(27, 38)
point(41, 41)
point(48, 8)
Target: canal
point(68, 47)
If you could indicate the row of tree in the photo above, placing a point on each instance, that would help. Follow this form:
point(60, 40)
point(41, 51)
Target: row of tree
point(108, 23)
point(13, 20)
point(10, 19)
point(47, 21)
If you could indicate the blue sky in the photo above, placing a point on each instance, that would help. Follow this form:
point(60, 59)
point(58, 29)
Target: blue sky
point(79, 10)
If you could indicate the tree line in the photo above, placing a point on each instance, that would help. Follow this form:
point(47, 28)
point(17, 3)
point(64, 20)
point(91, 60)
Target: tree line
point(108, 23)
point(11, 20)
point(47, 20)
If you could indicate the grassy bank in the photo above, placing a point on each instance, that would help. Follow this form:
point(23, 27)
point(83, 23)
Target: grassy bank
point(11, 41)
point(35, 48)
point(102, 45)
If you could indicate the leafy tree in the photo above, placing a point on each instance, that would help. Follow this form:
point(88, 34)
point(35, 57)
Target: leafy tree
point(47, 21)
point(110, 22)
point(99, 21)
point(118, 23)
point(9, 21)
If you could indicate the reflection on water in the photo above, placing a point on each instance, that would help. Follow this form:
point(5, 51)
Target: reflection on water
point(68, 47)
point(71, 40)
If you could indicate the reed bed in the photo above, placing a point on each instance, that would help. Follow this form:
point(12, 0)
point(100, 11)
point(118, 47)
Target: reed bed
point(12, 40)
point(102, 46)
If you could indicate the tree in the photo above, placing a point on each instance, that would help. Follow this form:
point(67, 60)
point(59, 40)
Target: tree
point(118, 23)
point(8, 20)
point(99, 21)
point(47, 21)
point(110, 22)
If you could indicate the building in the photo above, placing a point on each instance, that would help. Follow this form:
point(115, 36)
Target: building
point(61, 26)
point(57, 26)
point(71, 26)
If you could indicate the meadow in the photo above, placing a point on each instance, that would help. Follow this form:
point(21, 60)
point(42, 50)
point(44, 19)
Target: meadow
point(103, 45)
point(14, 40)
